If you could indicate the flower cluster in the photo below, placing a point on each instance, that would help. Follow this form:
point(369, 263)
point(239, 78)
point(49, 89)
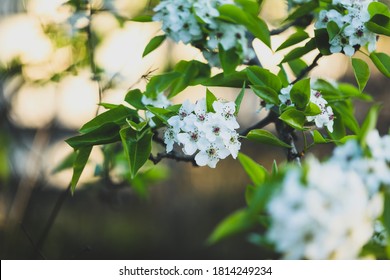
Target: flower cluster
point(212, 134)
point(160, 101)
point(327, 215)
point(350, 16)
point(374, 170)
point(325, 118)
point(329, 210)
point(196, 22)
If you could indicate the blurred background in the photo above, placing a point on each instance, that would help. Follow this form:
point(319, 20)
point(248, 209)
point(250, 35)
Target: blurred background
point(55, 55)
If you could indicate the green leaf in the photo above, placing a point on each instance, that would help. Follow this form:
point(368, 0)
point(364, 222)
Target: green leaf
point(142, 18)
point(378, 8)
point(382, 62)
point(304, 10)
point(160, 83)
point(339, 92)
point(339, 131)
point(294, 118)
point(348, 90)
point(229, 59)
point(249, 192)
point(79, 165)
point(233, 13)
point(255, 171)
point(322, 41)
point(154, 44)
point(333, 30)
point(295, 38)
point(163, 114)
point(192, 73)
point(261, 197)
point(235, 79)
point(269, 95)
point(239, 98)
point(319, 139)
point(134, 98)
point(297, 66)
point(312, 109)
point(266, 137)
point(263, 77)
point(108, 105)
point(137, 147)
point(386, 212)
point(249, 6)
point(65, 163)
point(379, 24)
point(346, 111)
point(210, 98)
point(237, 222)
point(369, 123)
point(361, 71)
point(282, 75)
point(259, 29)
point(116, 115)
point(275, 169)
point(105, 134)
point(300, 93)
point(300, 51)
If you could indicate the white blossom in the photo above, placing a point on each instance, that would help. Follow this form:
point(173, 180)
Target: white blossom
point(374, 170)
point(178, 20)
point(325, 118)
point(211, 135)
point(212, 154)
point(323, 213)
point(351, 18)
point(197, 23)
point(170, 137)
point(225, 111)
point(233, 144)
point(380, 234)
point(284, 97)
point(379, 146)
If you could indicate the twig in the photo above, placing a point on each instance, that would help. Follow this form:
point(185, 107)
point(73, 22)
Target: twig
point(270, 118)
point(282, 29)
point(305, 71)
point(28, 235)
point(158, 139)
point(53, 215)
point(91, 50)
point(286, 135)
point(172, 155)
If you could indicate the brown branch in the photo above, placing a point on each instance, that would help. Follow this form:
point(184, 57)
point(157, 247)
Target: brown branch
point(173, 155)
point(305, 71)
point(270, 118)
point(158, 139)
point(282, 29)
point(53, 216)
point(286, 134)
point(91, 50)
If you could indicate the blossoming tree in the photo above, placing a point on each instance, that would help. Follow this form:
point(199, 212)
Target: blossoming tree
point(306, 209)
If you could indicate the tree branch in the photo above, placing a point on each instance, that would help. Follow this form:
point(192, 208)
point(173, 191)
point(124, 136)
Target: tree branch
point(91, 50)
point(305, 71)
point(53, 216)
point(270, 118)
point(286, 134)
point(282, 29)
point(173, 155)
